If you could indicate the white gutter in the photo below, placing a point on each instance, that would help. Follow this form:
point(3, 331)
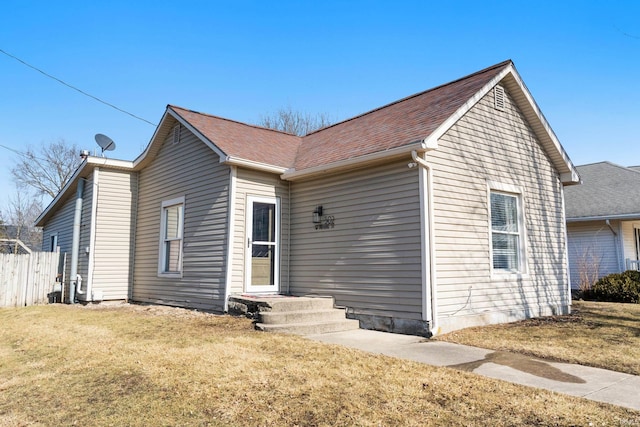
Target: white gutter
point(233, 174)
point(430, 289)
point(235, 161)
point(604, 217)
point(292, 174)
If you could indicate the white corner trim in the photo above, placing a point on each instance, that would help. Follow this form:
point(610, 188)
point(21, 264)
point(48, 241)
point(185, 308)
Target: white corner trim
point(92, 232)
point(233, 176)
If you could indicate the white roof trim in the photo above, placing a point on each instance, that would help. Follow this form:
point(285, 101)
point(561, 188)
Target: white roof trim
point(420, 146)
point(571, 177)
point(604, 217)
point(197, 133)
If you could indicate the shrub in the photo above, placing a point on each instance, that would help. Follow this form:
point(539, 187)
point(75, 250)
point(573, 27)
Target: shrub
point(617, 287)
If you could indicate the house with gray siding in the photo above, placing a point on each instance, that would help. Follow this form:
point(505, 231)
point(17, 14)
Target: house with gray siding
point(436, 212)
point(603, 222)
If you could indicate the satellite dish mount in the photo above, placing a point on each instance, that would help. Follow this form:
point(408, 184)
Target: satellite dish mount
point(105, 143)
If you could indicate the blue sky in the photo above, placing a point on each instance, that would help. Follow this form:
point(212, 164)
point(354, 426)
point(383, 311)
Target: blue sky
point(244, 59)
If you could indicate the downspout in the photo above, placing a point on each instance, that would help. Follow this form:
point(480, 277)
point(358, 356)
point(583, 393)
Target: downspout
point(431, 291)
point(566, 250)
point(75, 243)
point(617, 244)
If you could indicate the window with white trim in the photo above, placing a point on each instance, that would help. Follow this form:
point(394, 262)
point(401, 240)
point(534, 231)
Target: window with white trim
point(171, 226)
point(507, 238)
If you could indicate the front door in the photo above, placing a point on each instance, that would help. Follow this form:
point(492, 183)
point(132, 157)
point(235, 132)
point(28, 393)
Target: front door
point(262, 245)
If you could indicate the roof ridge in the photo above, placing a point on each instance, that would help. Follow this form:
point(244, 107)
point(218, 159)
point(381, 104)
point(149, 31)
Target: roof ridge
point(231, 120)
point(495, 66)
point(610, 163)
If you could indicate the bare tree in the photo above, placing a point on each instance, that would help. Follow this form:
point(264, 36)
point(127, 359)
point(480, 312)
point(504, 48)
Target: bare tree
point(21, 216)
point(589, 261)
point(48, 168)
point(294, 122)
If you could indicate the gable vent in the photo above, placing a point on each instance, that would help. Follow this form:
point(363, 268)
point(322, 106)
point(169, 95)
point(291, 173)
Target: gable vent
point(498, 96)
point(176, 134)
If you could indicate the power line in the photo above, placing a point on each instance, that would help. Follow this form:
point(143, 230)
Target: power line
point(76, 89)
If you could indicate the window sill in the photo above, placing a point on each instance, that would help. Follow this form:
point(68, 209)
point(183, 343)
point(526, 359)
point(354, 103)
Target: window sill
point(177, 275)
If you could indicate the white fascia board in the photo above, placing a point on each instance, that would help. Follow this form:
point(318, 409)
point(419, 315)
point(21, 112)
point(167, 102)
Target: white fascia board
point(420, 146)
point(113, 163)
point(176, 116)
point(197, 133)
point(250, 164)
point(570, 177)
point(464, 108)
point(630, 216)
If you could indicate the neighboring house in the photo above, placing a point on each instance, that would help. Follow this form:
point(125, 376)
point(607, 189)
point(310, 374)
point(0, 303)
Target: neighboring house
point(436, 212)
point(603, 222)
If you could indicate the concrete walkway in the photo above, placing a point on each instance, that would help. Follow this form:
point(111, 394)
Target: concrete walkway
point(591, 383)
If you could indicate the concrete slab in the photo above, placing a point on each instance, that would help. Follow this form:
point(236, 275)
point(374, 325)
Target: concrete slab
point(576, 380)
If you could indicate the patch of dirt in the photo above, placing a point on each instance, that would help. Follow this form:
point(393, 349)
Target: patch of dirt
point(151, 309)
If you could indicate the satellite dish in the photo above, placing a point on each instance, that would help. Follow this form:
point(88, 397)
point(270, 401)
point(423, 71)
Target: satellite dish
point(105, 143)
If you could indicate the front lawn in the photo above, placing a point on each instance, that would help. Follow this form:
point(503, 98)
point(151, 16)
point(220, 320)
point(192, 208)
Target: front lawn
point(601, 334)
point(149, 366)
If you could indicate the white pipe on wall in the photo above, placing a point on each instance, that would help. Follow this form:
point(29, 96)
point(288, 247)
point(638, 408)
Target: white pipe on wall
point(75, 242)
point(429, 228)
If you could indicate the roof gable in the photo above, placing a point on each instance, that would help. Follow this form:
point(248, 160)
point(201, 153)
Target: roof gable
point(412, 123)
point(608, 191)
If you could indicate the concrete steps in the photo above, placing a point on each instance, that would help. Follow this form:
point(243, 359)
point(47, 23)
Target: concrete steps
point(295, 315)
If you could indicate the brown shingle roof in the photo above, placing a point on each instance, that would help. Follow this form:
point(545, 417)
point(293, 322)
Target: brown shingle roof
point(244, 141)
point(394, 125)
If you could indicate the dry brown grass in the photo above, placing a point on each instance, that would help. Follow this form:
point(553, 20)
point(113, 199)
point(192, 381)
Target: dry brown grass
point(601, 334)
point(145, 366)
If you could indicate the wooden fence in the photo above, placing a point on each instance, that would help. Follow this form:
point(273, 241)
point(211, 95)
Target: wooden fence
point(27, 279)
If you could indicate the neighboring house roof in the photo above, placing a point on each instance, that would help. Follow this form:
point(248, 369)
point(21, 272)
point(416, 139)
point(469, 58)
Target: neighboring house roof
point(411, 124)
point(608, 191)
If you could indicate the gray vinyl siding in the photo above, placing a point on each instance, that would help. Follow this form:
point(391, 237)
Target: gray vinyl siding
point(490, 145)
point(85, 236)
point(191, 170)
point(113, 257)
point(370, 261)
point(261, 184)
point(593, 250)
point(61, 223)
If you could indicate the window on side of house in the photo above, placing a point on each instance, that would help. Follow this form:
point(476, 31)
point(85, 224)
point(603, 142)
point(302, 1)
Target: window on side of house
point(171, 226)
point(507, 234)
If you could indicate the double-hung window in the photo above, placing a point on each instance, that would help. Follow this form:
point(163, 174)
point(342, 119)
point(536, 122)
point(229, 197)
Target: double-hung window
point(507, 234)
point(171, 226)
